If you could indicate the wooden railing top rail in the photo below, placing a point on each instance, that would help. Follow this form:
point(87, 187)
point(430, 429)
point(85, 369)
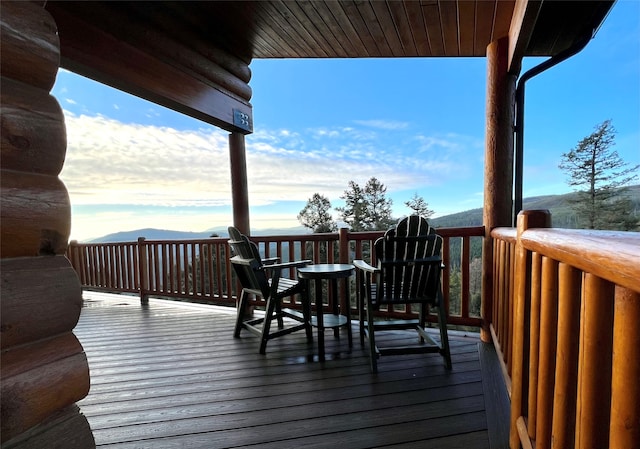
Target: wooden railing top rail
point(507, 234)
point(207, 240)
point(316, 237)
point(467, 231)
point(610, 255)
point(189, 241)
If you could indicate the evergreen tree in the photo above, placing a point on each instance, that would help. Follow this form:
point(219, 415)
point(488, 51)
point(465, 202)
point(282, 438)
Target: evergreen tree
point(378, 206)
point(419, 206)
point(599, 176)
point(368, 208)
point(353, 212)
point(315, 215)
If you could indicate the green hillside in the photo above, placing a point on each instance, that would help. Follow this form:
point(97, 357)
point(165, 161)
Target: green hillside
point(560, 206)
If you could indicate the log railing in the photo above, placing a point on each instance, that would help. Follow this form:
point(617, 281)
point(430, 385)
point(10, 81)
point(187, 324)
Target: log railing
point(566, 322)
point(199, 270)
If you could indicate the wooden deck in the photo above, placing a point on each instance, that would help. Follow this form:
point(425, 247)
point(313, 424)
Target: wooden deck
point(167, 375)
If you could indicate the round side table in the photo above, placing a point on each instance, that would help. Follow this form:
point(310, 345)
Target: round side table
point(340, 315)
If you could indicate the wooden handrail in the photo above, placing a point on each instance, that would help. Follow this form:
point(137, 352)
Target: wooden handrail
point(566, 313)
point(199, 269)
point(609, 255)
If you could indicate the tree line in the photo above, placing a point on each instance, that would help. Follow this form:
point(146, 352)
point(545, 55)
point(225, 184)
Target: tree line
point(599, 175)
point(594, 169)
point(366, 209)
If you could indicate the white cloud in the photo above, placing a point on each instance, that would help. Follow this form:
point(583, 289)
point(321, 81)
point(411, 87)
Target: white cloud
point(383, 124)
point(110, 162)
point(88, 225)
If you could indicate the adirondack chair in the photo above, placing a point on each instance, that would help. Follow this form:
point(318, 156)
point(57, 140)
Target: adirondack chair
point(408, 271)
point(263, 278)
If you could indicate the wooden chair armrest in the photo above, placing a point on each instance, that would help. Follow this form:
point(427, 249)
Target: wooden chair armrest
point(364, 266)
point(277, 268)
point(270, 261)
point(293, 264)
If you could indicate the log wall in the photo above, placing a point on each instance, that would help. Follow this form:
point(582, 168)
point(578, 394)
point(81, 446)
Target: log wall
point(44, 368)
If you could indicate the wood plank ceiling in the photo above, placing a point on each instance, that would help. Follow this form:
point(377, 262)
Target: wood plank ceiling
point(345, 29)
point(194, 56)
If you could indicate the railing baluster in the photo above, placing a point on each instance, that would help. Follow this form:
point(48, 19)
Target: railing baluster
point(96, 265)
point(215, 276)
point(184, 248)
point(465, 258)
point(564, 400)
point(446, 274)
point(192, 257)
point(547, 358)
point(504, 304)
point(534, 342)
point(144, 269)
point(594, 363)
point(510, 285)
point(202, 271)
point(624, 428)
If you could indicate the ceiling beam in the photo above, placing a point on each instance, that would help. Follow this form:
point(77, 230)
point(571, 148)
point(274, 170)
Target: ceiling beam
point(95, 54)
point(523, 21)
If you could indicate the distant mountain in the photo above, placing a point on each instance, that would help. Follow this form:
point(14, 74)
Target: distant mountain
point(150, 234)
point(559, 205)
point(562, 214)
point(166, 234)
point(288, 231)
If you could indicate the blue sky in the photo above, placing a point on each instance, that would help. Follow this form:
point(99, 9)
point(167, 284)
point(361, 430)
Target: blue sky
point(415, 124)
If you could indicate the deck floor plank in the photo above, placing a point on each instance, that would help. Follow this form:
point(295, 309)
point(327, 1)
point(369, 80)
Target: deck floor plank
point(167, 375)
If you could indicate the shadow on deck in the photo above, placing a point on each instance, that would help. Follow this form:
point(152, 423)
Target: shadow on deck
point(170, 375)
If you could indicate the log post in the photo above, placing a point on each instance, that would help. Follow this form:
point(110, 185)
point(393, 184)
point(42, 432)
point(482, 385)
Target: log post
point(143, 267)
point(343, 235)
point(239, 185)
point(498, 175)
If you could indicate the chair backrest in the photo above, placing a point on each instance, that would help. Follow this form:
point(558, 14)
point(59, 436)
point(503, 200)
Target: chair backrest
point(409, 259)
point(247, 263)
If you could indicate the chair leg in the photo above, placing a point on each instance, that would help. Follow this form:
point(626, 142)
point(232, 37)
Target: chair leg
point(266, 325)
point(444, 336)
point(361, 318)
point(306, 313)
point(424, 311)
point(373, 356)
point(278, 314)
point(240, 310)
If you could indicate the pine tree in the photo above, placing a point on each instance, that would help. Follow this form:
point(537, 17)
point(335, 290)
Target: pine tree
point(315, 215)
point(599, 176)
point(353, 212)
point(368, 208)
point(419, 206)
point(378, 206)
